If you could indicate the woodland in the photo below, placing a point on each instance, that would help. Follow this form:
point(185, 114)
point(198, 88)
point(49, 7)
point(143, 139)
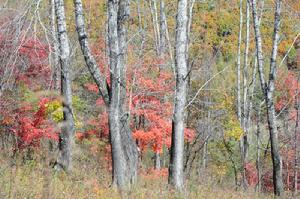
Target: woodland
point(149, 99)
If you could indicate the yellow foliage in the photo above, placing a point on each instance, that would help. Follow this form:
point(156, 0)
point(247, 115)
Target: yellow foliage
point(58, 115)
point(233, 130)
point(55, 110)
point(230, 121)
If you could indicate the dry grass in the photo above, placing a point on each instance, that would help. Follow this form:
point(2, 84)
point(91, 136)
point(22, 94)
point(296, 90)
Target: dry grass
point(90, 179)
point(33, 181)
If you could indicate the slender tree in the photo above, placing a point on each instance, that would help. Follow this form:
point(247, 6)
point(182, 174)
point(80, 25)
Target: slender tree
point(67, 131)
point(54, 53)
point(176, 177)
point(296, 131)
point(162, 27)
point(124, 150)
point(268, 91)
point(239, 99)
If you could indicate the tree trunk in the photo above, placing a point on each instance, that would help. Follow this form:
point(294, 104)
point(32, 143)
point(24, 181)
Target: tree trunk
point(258, 161)
point(276, 159)
point(238, 70)
point(239, 100)
point(296, 142)
point(163, 28)
point(67, 131)
point(296, 153)
point(176, 177)
point(268, 90)
point(157, 161)
point(54, 55)
point(155, 24)
point(129, 148)
point(245, 96)
point(124, 150)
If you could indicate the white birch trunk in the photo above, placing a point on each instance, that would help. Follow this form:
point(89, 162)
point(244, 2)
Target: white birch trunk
point(176, 176)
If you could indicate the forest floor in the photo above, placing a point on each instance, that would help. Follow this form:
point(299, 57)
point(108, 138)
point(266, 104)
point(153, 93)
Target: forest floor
point(32, 177)
point(31, 182)
point(34, 181)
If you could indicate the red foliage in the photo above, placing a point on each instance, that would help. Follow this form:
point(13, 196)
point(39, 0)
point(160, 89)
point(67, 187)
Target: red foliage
point(27, 59)
point(251, 174)
point(288, 90)
point(151, 108)
point(267, 175)
point(149, 95)
point(31, 127)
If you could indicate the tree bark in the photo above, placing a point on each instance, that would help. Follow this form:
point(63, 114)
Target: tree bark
point(54, 55)
point(258, 160)
point(239, 104)
point(67, 131)
point(239, 99)
point(155, 24)
point(296, 142)
point(162, 28)
point(176, 177)
point(245, 96)
point(268, 90)
point(124, 150)
point(161, 51)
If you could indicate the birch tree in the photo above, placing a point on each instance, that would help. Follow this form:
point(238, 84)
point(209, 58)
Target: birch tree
point(67, 131)
point(124, 150)
point(54, 55)
point(162, 28)
point(155, 24)
point(176, 177)
point(268, 90)
point(239, 100)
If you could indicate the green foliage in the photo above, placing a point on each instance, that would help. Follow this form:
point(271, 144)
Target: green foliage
point(28, 95)
point(293, 53)
point(78, 104)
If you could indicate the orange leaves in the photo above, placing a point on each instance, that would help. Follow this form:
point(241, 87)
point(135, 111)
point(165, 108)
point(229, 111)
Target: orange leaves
point(80, 136)
point(155, 138)
point(189, 134)
point(7, 120)
point(152, 103)
point(154, 174)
